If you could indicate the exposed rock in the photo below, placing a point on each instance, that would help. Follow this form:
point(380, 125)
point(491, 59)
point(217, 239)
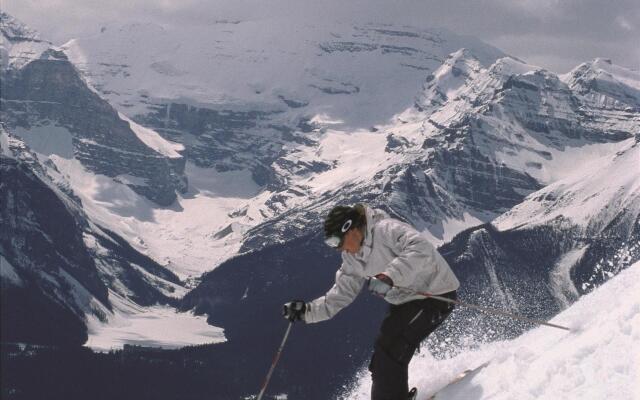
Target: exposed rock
point(46, 89)
point(65, 266)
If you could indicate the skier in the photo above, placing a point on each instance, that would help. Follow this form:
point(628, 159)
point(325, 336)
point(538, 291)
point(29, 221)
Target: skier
point(389, 256)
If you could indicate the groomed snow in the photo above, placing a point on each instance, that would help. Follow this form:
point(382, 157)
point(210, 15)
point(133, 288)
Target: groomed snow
point(155, 326)
point(597, 360)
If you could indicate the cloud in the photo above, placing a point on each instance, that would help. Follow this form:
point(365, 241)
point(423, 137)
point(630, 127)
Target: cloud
point(553, 33)
point(624, 23)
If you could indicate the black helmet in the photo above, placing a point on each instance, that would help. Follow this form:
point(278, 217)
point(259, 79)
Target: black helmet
point(338, 222)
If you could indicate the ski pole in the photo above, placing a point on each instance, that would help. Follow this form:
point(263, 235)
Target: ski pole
point(275, 361)
point(488, 310)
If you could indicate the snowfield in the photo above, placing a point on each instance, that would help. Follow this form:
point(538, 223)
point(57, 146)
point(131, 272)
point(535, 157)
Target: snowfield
point(336, 69)
point(185, 237)
point(598, 359)
point(155, 326)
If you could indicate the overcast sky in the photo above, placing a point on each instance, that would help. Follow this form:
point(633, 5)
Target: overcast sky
point(555, 34)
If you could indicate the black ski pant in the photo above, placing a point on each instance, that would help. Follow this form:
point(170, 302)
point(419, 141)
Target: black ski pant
point(403, 328)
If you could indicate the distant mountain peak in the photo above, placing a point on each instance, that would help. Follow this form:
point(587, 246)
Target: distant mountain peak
point(457, 69)
point(15, 30)
point(512, 66)
point(606, 84)
point(19, 44)
point(604, 66)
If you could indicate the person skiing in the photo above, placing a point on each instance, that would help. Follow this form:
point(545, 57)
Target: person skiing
point(395, 261)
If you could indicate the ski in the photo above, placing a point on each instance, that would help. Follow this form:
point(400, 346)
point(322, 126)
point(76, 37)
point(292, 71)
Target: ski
point(457, 379)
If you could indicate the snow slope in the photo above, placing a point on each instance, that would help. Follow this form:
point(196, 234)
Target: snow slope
point(187, 237)
point(153, 140)
point(590, 196)
point(598, 359)
point(126, 302)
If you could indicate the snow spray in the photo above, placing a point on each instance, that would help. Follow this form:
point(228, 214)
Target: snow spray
point(487, 310)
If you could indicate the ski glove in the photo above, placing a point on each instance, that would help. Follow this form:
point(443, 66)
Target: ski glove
point(294, 310)
point(380, 285)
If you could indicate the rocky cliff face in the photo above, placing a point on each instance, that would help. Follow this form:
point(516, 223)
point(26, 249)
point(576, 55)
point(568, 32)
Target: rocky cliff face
point(237, 101)
point(42, 89)
point(477, 141)
point(224, 139)
point(43, 251)
point(58, 268)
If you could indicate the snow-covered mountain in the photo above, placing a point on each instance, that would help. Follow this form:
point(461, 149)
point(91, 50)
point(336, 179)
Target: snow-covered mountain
point(66, 276)
point(66, 280)
point(596, 360)
point(535, 260)
point(227, 191)
point(563, 241)
point(478, 140)
point(353, 74)
point(247, 132)
point(470, 145)
point(19, 44)
point(46, 102)
point(49, 279)
point(501, 134)
point(241, 94)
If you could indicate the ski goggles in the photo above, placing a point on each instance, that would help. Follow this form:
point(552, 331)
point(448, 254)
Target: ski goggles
point(336, 241)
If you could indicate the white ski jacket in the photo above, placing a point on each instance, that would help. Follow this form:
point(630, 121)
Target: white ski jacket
point(395, 249)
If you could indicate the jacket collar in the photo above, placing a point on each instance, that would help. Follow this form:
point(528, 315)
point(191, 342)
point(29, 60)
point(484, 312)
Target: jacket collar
point(373, 216)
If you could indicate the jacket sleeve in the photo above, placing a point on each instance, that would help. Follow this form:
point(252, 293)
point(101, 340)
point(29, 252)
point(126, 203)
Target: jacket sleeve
point(413, 251)
point(342, 293)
